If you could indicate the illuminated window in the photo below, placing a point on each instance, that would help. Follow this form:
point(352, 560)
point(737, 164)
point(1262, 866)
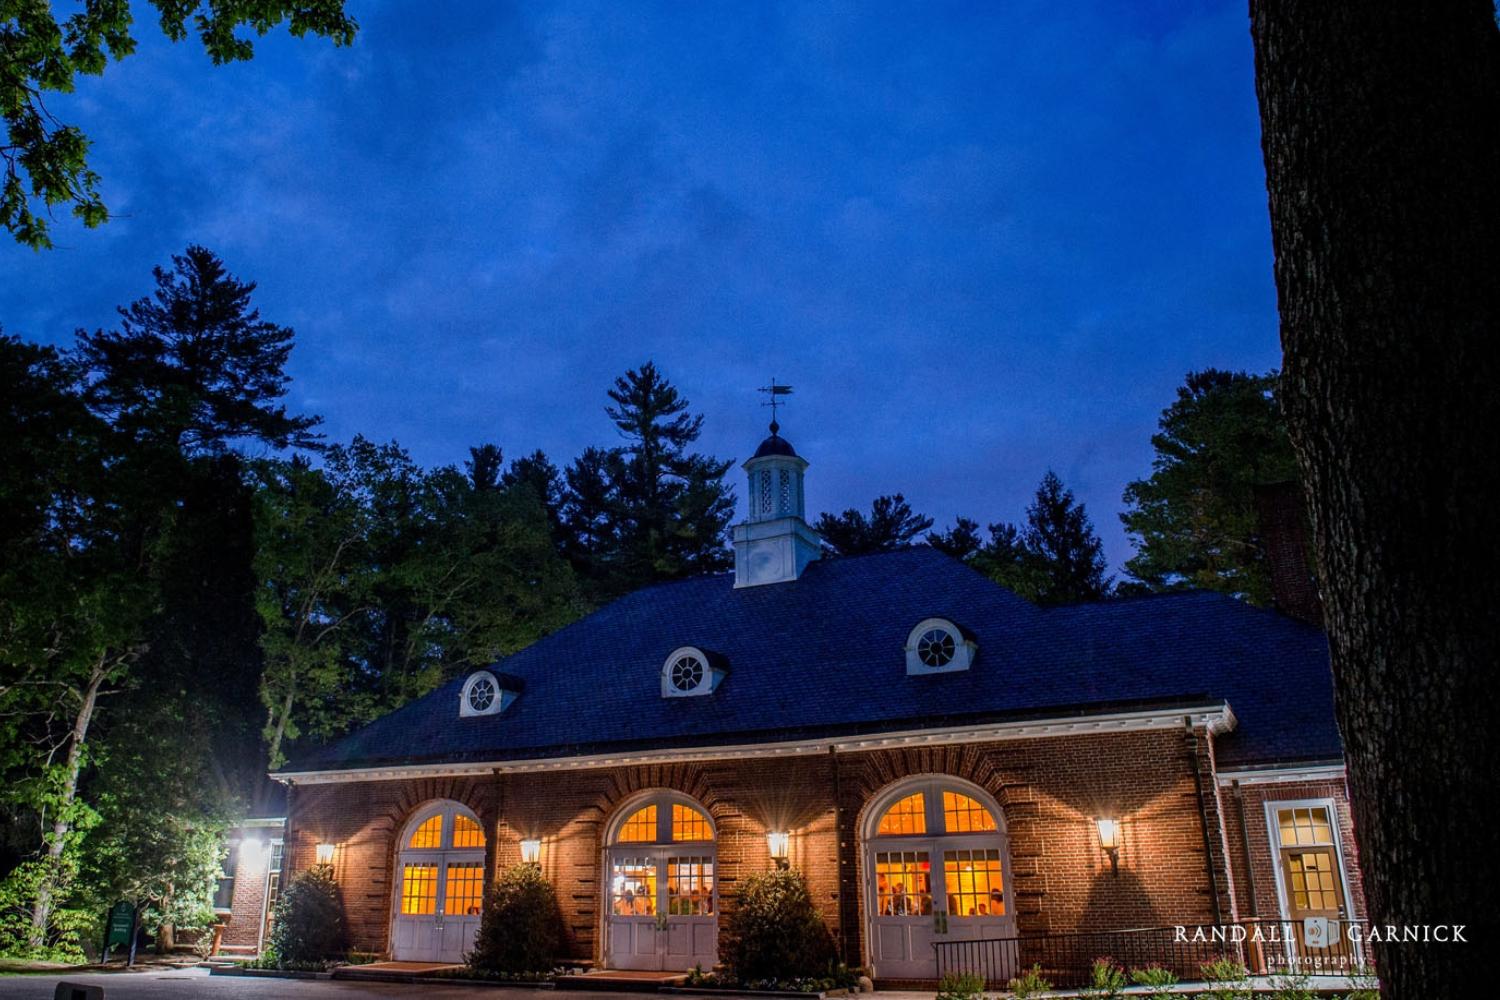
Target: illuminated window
point(690, 887)
point(429, 834)
point(640, 828)
point(973, 882)
point(466, 832)
point(464, 894)
point(1314, 885)
point(1304, 827)
point(632, 887)
point(962, 814)
point(906, 817)
point(419, 890)
point(689, 824)
point(903, 884)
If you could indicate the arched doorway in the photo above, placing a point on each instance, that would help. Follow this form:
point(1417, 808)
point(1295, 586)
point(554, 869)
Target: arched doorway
point(661, 910)
point(936, 869)
point(439, 884)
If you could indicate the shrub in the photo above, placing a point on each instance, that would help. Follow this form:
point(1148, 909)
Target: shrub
point(1292, 988)
point(1106, 980)
point(1157, 980)
point(960, 986)
point(309, 926)
point(1227, 980)
point(521, 930)
point(775, 931)
point(1366, 986)
point(1030, 984)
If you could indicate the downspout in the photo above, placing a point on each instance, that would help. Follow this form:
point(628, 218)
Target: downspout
point(1208, 848)
point(838, 847)
point(1239, 800)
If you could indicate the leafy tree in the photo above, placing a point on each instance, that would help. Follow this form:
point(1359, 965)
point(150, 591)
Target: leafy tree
point(521, 930)
point(1381, 153)
point(1056, 558)
point(193, 367)
point(891, 525)
point(46, 161)
point(649, 510)
point(1194, 519)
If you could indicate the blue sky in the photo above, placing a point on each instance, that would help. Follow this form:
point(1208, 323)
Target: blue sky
point(981, 241)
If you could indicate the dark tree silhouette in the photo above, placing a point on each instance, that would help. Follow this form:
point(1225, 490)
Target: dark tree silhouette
point(1382, 152)
point(891, 525)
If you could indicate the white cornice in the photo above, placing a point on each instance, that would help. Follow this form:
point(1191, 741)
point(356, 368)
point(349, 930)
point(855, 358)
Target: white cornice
point(1217, 718)
point(1281, 775)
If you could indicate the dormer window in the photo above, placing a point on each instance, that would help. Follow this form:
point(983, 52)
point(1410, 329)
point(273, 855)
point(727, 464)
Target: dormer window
point(690, 671)
point(484, 694)
point(938, 646)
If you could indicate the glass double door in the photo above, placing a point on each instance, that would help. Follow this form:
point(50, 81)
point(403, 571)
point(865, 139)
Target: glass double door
point(663, 909)
point(438, 909)
point(928, 891)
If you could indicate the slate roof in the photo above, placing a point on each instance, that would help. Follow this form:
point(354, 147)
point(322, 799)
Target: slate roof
point(823, 657)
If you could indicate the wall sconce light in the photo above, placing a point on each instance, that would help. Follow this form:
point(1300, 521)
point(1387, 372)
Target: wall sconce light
point(324, 854)
point(531, 851)
point(780, 842)
point(1109, 841)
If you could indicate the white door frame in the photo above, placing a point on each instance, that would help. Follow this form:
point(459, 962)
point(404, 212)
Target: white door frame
point(440, 857)
point(658, 851)
point(935, 843)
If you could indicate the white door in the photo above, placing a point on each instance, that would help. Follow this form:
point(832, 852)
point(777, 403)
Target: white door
point(439, 886)
point(926, 889)
point(661, 912)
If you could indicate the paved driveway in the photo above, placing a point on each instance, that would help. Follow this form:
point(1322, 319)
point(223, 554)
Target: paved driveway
point(198, 983)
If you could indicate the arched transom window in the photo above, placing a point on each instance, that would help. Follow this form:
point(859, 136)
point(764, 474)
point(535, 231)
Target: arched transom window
point(937, 844)
point(667, 819)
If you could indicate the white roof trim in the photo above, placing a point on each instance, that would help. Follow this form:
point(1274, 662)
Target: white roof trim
point(1218, 718)
point(1282, 775)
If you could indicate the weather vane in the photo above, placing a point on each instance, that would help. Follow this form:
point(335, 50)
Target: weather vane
point(775, 391)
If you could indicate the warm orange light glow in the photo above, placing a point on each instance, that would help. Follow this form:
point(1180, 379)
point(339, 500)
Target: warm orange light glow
point(325, 854)
point(640, 828)
point(531, 851)
point(429, 834)
point(688, 824)
point(466, 832)
point(906, 817)
point(780, 844)
point(1109, 834)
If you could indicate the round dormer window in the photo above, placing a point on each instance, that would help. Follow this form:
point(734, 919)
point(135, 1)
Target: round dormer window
point(687, 673)
point(936, 647)
point(481, 694)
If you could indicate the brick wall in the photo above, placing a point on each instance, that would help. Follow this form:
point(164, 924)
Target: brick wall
point(242, 925)
point(1049, 791)
point(1246, 813)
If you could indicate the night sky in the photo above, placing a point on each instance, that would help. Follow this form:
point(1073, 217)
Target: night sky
point(979, 241)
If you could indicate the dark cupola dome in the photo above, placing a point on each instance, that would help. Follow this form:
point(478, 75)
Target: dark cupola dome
point(774, 445)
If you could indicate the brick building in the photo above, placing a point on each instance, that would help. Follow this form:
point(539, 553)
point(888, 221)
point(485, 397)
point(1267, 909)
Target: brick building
point(943, 759)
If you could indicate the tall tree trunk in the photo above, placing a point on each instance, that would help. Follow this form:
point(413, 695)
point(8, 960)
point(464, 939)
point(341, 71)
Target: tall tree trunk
point(1381, 135)
point(62, 820)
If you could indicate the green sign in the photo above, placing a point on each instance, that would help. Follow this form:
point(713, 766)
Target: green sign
point(121, 923)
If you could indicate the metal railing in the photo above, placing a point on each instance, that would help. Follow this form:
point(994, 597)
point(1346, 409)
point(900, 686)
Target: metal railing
point(1264, 947)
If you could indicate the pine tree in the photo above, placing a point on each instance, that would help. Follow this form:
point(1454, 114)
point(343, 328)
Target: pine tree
point(1056, 558)
point(1194, 518)
point(649, 510)
point(892, 524)
point(193, 367)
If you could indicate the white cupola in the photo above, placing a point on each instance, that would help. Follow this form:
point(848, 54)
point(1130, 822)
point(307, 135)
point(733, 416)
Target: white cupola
point(775, 544)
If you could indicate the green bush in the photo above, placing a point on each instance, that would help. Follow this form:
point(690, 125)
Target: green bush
point(1292, 988)
point(775, 931)
point(1227, 980)
point(960, 986)
point(1157, 980)
point(1106, 980)
point(521, 931)
point(309, 925)
point(1030, 984)
point(1366, 986)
